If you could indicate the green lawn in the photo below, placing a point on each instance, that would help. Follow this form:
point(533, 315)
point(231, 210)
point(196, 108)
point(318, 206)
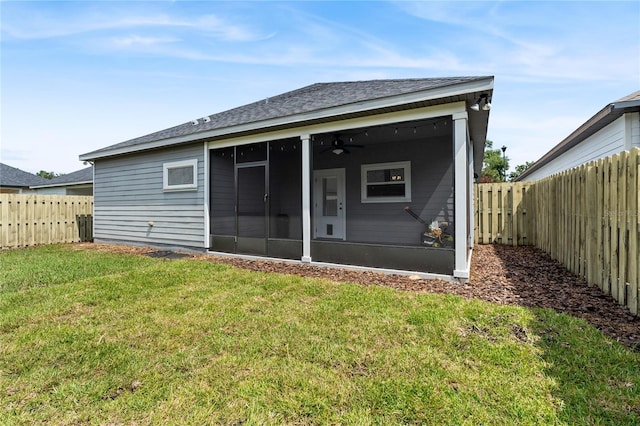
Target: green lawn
point(95, 338)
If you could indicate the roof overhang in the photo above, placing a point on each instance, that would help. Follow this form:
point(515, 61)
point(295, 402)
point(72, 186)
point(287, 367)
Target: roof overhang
point(466, 91)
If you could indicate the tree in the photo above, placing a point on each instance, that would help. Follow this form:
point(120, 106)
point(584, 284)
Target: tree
point(494, 166)
point(520, 168)
point(48, 175)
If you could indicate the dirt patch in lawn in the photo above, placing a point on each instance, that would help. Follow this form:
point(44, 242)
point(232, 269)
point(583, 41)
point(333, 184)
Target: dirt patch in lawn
point(506, 275)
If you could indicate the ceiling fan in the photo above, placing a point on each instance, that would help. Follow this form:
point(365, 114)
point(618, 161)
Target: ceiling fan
point(338, 146)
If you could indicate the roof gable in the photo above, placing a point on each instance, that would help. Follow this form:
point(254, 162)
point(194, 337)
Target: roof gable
point(78, 177)
point(309, 99)
point(10, 176)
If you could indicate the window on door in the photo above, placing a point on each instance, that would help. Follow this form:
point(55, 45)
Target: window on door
point(329, 204)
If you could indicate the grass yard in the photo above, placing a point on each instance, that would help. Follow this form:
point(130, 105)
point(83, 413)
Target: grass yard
point(96, 338)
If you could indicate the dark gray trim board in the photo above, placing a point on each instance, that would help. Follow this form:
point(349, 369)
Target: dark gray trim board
point(419, 259)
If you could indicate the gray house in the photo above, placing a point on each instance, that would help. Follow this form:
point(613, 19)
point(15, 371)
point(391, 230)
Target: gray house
point(613, 129)
point(374, 174)
point(16, 181)
point(79, 182)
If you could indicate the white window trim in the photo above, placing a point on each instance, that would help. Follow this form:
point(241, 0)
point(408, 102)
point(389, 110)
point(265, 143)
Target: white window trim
point(364, 168)
point(176, 165)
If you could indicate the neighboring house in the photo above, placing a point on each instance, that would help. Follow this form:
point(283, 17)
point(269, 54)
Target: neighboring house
point(79, 182)
point(16, 181)
point(322, 174)
point(613, 129)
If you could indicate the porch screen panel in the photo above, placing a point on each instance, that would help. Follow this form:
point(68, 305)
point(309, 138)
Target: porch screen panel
point(223, 217)
point(285, 189)
point(251, 202)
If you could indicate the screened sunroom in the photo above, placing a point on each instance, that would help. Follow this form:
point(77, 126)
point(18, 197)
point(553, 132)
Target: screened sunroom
point(380, 196)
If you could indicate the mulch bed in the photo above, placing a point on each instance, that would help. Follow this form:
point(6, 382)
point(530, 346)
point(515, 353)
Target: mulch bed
point(505, 275)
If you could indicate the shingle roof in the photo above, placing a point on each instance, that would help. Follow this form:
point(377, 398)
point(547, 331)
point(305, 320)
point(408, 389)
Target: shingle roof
point(315, 97)
point(74, 178)
point(10, 176)
point(635, 96)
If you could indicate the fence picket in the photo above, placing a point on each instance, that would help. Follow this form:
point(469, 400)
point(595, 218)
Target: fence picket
point(623, 227)
point(613, 221)
point(599, 206)
point(514, 205)
point(496, 197)
point(606, 223)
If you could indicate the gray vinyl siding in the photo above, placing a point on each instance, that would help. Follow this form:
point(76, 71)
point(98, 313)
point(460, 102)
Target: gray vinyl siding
point(387, 223)
point(128, 195)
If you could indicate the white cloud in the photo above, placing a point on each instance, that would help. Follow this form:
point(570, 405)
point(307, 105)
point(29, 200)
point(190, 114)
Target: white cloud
point(40, 25)
point(522, 43)
point(136, 40)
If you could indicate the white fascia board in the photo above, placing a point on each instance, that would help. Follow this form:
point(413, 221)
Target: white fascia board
point(389, 102)
point(338, 126)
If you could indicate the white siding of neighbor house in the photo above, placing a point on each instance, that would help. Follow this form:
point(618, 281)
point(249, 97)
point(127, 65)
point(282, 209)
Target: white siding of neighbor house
point(64, 190)
point(60, 190)
point(128, 195)
point(622, 134)
point(632, 123)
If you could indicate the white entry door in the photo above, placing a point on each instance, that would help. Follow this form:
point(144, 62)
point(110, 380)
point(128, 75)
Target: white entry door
point(329, 204)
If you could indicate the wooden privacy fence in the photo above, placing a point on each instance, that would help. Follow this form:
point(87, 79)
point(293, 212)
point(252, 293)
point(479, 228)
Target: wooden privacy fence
point(502, 214)
point(586, 218)
point(32, 219)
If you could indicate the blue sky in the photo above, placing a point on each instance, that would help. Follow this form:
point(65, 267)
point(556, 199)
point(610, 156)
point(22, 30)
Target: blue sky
point(78, 76)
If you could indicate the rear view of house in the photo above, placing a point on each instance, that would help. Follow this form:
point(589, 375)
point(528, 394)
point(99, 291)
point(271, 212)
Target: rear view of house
point(374, 174)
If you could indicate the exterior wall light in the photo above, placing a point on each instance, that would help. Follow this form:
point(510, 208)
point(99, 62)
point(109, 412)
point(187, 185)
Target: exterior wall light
point(485, 107)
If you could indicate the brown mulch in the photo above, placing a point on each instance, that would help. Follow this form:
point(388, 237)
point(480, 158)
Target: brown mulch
point(505, 275)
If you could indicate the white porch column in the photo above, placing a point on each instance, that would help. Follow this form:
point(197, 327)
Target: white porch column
point(460, 167)
point(306, 198)
point(471, 207)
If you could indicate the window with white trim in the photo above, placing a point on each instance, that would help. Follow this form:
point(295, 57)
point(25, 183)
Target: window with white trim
point(386, 182)
point(180, 175)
